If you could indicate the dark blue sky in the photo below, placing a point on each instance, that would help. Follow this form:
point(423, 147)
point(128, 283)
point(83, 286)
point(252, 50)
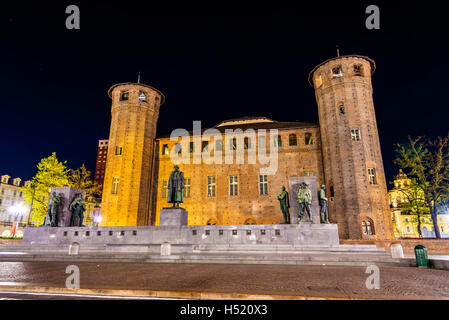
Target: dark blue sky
point(212, 63)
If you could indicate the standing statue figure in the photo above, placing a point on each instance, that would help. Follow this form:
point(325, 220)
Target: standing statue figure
point(176, 187)
point(52, 211)
point(324, 214)
point(285, 205)
point(304, 201)
point(77, 207)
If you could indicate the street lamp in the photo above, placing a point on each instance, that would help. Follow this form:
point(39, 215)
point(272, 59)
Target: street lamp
point(17, 210)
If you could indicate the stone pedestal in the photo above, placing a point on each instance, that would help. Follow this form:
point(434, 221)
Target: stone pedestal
point(294, 183)
point(175, 217)
point(67, 195)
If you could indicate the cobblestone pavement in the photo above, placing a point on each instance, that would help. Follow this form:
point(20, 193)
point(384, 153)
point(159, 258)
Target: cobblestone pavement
point(309, 281)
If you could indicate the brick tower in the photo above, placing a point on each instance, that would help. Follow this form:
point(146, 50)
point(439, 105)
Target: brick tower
point(352, 159)
point(129, 166)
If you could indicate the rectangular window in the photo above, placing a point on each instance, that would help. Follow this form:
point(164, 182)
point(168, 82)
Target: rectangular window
point(218, 145)
point(278, 141)
point(372, 176)
point(191, 147)
point(263, 184)
point(205, 146)
point(187, 182)
point(211, 186)
point(165, 150)
point(178, 148)
point(115, 185)
point(118, 151)
point(233, 143)
point(308, 173)
point(164, 188)
point(247, 143)
point(355, 134)
point(233, 185)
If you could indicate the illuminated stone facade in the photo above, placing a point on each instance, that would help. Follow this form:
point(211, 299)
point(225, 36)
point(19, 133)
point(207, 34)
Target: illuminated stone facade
point(405, 223)
point(129, 166)
point(344, 154)
point(352, 157)
point(208, 197)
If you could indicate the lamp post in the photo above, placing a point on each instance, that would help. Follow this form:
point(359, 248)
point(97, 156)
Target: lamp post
point(17, 210)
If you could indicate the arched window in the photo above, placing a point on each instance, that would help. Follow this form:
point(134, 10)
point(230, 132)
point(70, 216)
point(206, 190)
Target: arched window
point(337, 72)
point(292, 140)
point(358, 70)
point(250, 221)
point(367, 227)
point(308, 138)
point(142, 96)
point(211, 222)
point(124, 95)
point(341, 109)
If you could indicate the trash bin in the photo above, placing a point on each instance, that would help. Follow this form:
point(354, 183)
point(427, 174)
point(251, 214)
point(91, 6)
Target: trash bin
point(422, 260)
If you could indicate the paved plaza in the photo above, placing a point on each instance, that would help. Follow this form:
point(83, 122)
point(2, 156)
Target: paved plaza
point(265, 281)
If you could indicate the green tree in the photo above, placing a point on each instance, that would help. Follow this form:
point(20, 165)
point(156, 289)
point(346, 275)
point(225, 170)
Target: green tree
point(81, 179)
point(428, 163)
point(414, 203)
point(50, 173)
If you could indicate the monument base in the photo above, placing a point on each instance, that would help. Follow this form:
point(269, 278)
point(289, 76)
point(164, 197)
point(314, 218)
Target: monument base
point(174, 217)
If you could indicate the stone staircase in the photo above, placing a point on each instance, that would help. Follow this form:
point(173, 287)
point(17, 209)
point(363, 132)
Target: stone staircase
point(355, 255)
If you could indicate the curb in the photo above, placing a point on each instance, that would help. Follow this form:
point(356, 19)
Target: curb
point(164, 294)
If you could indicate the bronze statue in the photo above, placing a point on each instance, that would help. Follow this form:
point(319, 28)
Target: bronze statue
point(176, 187)
point(77, 207)
point(304, 201)
point(324, 214)
point(285, 205)
point(52, 211)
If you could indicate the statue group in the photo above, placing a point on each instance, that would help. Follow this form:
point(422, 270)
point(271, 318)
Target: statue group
point(76, 207)
point(304, 198)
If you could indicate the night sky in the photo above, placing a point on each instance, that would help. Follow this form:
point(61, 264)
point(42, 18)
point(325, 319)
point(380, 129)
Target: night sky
point(213, 62)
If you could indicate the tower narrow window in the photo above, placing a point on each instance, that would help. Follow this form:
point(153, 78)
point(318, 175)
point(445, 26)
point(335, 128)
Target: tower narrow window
point(211, 186)
point(263, 184)
point(368, 227)
point(278, 141)
point(341, 109)
point(187, 182)
point(233, 185)
point(124, 96)
point(118, 151)
point(331, 191)
point(358, 70)
point(372, 176)
point(292, 140)
point(165, 150)
point(355, 134)
point(115, 185)
point(337, 72)
point(164, 189)
point(142, 97)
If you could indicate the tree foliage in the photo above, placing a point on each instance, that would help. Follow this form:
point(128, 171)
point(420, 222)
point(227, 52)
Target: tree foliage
point(50, 173)
point(81, 179)
point(428, 164)
point(414, 203)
